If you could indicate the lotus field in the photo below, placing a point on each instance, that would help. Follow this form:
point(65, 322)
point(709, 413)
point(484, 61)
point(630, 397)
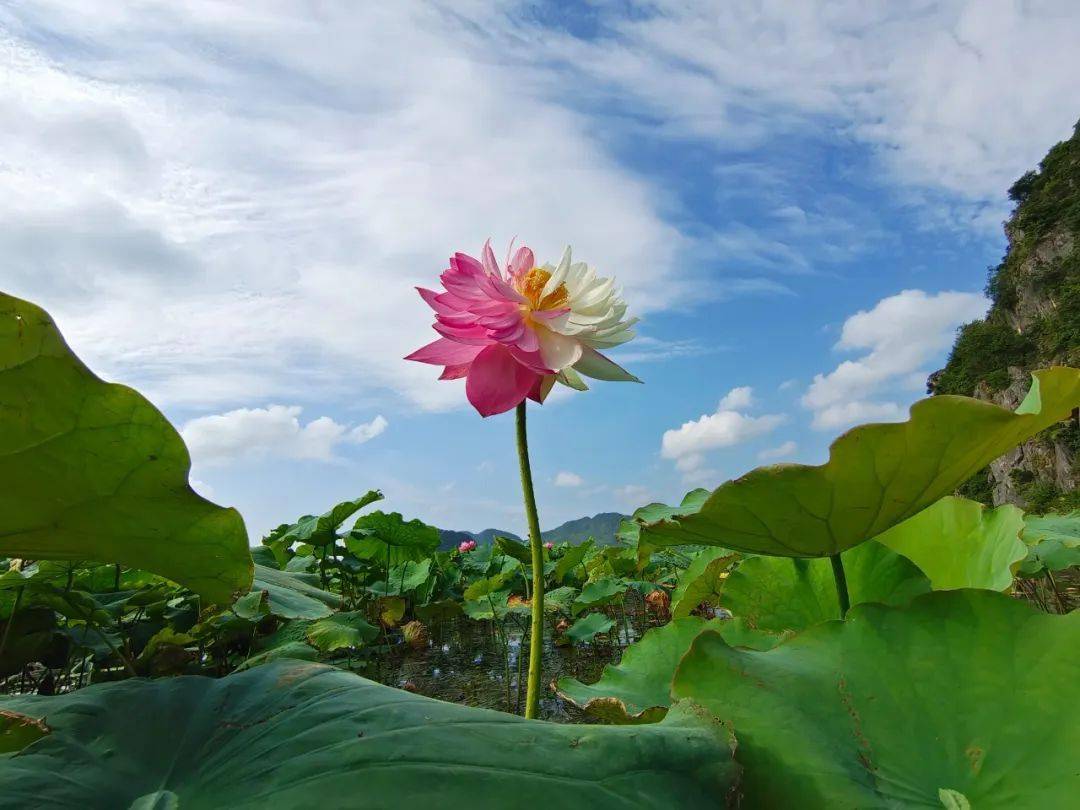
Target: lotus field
point(850, 635)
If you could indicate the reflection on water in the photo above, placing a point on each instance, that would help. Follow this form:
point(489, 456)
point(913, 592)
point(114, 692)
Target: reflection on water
point(466, 662)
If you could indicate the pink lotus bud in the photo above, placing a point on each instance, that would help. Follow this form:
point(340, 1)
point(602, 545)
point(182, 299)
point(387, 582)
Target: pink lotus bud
point(549, 546)
point(464, 546)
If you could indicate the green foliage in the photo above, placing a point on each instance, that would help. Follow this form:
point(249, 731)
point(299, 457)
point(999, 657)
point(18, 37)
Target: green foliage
point(1048, 204)
point(293, 595)
point(341, 631)
point(589, 627)
point(380, 536)
point(876, 476)
point(775, 594)
point(893, 705)
point(702, 581)
point(1053, 543)
point(294, 735)
point(92, 470)
point(637, 690)
point(322, 529)
point(983, 352)
point(979, 488)
point(962, 544)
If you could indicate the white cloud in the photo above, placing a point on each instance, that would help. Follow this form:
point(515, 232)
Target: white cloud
point(784, 450)
point(687, 444)
point(924, 86)
point(237, 203)
point(273, 431)
point(568, 479)
point(899, 336)
point(737, 399)
point(787, 384)
point(366, 431)
point(856, 412)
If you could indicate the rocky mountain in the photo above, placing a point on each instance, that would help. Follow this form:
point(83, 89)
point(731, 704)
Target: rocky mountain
point(1034, 322)
point(601, 528)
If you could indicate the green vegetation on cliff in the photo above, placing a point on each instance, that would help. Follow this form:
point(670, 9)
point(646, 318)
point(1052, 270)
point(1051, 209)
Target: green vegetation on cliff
point(1035, 317)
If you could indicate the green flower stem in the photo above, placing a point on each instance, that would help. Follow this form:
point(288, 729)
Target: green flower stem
point(536, 628)
point(841, 584)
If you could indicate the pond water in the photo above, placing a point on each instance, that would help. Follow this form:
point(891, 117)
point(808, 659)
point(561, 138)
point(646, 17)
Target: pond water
point(466, 662)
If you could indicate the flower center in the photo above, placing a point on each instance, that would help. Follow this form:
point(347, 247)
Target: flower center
point(532, 287)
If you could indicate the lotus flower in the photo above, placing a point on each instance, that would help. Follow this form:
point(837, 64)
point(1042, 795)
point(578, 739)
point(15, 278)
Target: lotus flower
point(549, 546)
point(466, 545)
point(513, 334)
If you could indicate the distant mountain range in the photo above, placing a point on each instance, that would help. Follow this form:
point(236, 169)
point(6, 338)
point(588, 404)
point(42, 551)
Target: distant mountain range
point(600, 527)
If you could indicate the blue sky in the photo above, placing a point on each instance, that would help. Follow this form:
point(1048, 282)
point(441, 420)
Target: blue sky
point(227, 205)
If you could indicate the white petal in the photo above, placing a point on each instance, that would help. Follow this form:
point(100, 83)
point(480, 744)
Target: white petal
point(559, 276)
point(558, 351)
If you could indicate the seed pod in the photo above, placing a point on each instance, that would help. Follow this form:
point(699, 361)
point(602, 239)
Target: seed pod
point(416, 635)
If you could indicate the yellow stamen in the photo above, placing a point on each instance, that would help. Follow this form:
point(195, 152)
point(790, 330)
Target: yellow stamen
point(532, 287)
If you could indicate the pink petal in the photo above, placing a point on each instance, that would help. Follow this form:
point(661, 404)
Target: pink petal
point(523, 262)
point(528, 342)
point(541, 388)
point(497, 382)
point(431, 298)
point(455, 372)
point(491, 266)
point(473, 335)
point(531, 360)
point(464, 263)
point(443, 352)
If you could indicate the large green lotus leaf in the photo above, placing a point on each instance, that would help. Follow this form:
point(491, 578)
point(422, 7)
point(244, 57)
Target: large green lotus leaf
point(599, 593)
point(512, 548)
point(17, 731)
point(319, 530)
point(702, 581)
point(292, 650)
point(630, 529)
point(1053, 542)
point(961, 544)
point(637, 689)
point(292, 595)
point(968, 691)
point(294, 735)
point(876, 476)
point(92, 470)
point(777, 594)
point(341, 631)
point(404, 578)
point(589, 627)
point(571, 559)
point(380, 534)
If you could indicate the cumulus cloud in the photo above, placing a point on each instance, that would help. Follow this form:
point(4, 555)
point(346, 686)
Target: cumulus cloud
point(726, 427)
point(898, 336)
point(568, 479)
point(737, 399)
point(784, 450)
point(273, 431)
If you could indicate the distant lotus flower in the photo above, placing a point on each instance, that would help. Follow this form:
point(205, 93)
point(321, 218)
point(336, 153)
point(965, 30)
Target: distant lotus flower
point(466, 545)
point(549, 546)
point(513, 334)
